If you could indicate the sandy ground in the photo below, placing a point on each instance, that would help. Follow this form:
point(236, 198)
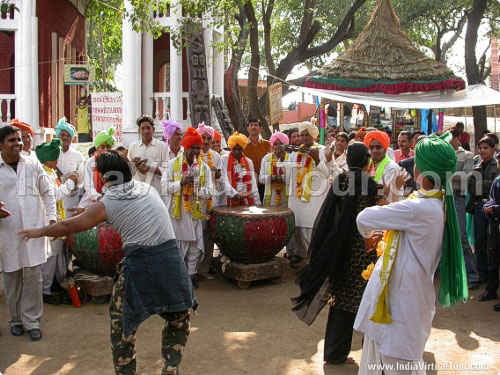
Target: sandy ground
point(237, 332)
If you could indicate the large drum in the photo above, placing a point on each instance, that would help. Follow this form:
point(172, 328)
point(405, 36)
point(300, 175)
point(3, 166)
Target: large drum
point(98, 249)
point(251, 234)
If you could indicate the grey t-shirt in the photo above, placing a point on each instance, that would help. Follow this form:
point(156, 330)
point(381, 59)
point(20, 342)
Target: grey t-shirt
point(137, 212)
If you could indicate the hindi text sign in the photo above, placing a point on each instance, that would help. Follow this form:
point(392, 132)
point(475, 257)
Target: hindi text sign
point(275, 95)
point(107, 112)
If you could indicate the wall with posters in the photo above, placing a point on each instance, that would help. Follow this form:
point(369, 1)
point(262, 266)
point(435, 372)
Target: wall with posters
point(107, 112)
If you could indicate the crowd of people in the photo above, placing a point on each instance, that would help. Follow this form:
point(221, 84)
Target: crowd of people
point(373, 223)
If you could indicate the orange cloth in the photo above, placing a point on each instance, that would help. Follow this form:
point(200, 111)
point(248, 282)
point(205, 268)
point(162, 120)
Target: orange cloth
point(378, 136)
point(217, 136)
point(191, 137)
point(256, 153)
point(22, 126)
point(360, 135)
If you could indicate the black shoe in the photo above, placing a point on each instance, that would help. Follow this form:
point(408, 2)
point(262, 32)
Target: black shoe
point(496, 307)
point(17, 330)
point(51, 299)
point(487, 296)
point(473, 285)
point(35, 334)
point(195, 284)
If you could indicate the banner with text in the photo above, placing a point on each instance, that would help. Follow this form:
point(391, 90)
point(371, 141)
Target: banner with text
point(275, 106)
point(107, 112)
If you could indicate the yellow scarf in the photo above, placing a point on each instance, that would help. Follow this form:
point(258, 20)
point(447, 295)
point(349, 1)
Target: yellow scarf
point(304, 173)
point(273, 160)
point(381, 314)
point(61, 215)
point(193, 205)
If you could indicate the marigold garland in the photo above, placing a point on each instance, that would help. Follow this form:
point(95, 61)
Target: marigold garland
point(211, 165)
point(277, 185)
point(301, 172)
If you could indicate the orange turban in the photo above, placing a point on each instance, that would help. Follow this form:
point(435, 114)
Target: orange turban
point(191, 137)
point(380, 137)
point(237, 139)
point(360, 134)
point(217, 136)
point(22, 126)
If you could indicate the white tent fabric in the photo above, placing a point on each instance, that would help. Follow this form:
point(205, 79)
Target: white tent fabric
point(473, 95)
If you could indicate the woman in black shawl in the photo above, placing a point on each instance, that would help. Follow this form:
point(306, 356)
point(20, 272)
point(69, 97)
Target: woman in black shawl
point(338, 257)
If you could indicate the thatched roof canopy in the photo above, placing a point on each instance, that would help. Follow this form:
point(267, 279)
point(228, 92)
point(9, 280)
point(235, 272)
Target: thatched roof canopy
point(383, 58)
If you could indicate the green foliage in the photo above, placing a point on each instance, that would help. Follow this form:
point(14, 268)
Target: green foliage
point(108, 17)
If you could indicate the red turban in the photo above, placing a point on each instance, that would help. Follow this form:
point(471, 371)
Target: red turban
point(217, 136)
point(22, 126)
point(380, 137)
point(191, 137)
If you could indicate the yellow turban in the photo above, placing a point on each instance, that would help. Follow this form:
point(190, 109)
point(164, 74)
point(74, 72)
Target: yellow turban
point(311, 129)
point(237, 139)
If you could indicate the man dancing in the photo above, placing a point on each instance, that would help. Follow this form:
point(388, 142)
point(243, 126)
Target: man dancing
point(152, 278)
point(398, 305)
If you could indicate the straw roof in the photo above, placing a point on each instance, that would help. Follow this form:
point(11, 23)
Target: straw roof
point(384, 52)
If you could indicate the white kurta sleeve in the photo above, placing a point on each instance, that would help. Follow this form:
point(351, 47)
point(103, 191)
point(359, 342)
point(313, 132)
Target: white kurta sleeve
point(46, 193)
point(206, 191)
point(264, 178)
point(395, 216)
point(88, 180)
point(65, 190)
point(169, 186)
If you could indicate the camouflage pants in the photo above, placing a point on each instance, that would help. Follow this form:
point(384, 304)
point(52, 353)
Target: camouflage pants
point(174, 336)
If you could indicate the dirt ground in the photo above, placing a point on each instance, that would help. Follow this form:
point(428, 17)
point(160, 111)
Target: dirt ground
point(237, 332)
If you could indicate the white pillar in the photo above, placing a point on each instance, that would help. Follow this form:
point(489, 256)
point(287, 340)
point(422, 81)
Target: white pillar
point(147, 73)
point(208, 38)
point(175, 69)
point(131, 57)
point(218, 69)
point(26, 66)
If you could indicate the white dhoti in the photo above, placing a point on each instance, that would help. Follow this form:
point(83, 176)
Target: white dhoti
point(375, 363)
point(192, 254)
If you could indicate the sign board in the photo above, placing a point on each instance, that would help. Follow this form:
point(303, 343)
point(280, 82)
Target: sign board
point(275, 95)
point(79, 74)
point(107, 112)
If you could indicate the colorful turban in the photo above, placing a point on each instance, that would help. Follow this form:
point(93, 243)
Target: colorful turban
point(281, 136)
point(434, 154)
point(49, 151)
point(237, 139)
point(169, 129)
point(380, 137)
point(310, 127)
point(192, 137)
point(217, 136)
point(105, 137)
point(205, 129)
point(63, 124)
point(22, 126)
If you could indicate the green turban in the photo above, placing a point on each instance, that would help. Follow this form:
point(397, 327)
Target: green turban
point(105, 137)
point(49, 151)
point(435, 154)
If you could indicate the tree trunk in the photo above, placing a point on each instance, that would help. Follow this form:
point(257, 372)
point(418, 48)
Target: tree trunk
point(103, 61)
point(253, 73)
point(471, 66)
point(231, 88)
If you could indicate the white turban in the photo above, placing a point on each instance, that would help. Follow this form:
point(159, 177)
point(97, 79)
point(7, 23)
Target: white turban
point(311, 129)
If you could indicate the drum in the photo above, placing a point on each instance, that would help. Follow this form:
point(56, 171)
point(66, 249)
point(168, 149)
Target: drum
point(251, 234)
point(98, 249)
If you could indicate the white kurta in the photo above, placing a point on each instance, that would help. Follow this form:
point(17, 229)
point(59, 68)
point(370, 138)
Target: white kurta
point(411, 290)
point(218, 185)
point(91, 195)
point(70, 161)
point(229, 190)
point(265, 179)
point(306, 211)
point(389, 171)
point(186, 228)
point(25, 195)
point(157, 155)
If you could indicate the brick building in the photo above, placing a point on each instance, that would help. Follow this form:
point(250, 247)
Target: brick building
point(35, 42)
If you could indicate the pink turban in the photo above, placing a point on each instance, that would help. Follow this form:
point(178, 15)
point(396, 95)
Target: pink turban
point(169, 129)
point(205, 129)
point(281, 136)
point(380, 137)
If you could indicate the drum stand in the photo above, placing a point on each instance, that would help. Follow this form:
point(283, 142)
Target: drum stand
point(244, 274)
point(98, 288)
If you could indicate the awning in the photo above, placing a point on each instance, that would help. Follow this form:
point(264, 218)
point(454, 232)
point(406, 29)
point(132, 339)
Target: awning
point(472, 96)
